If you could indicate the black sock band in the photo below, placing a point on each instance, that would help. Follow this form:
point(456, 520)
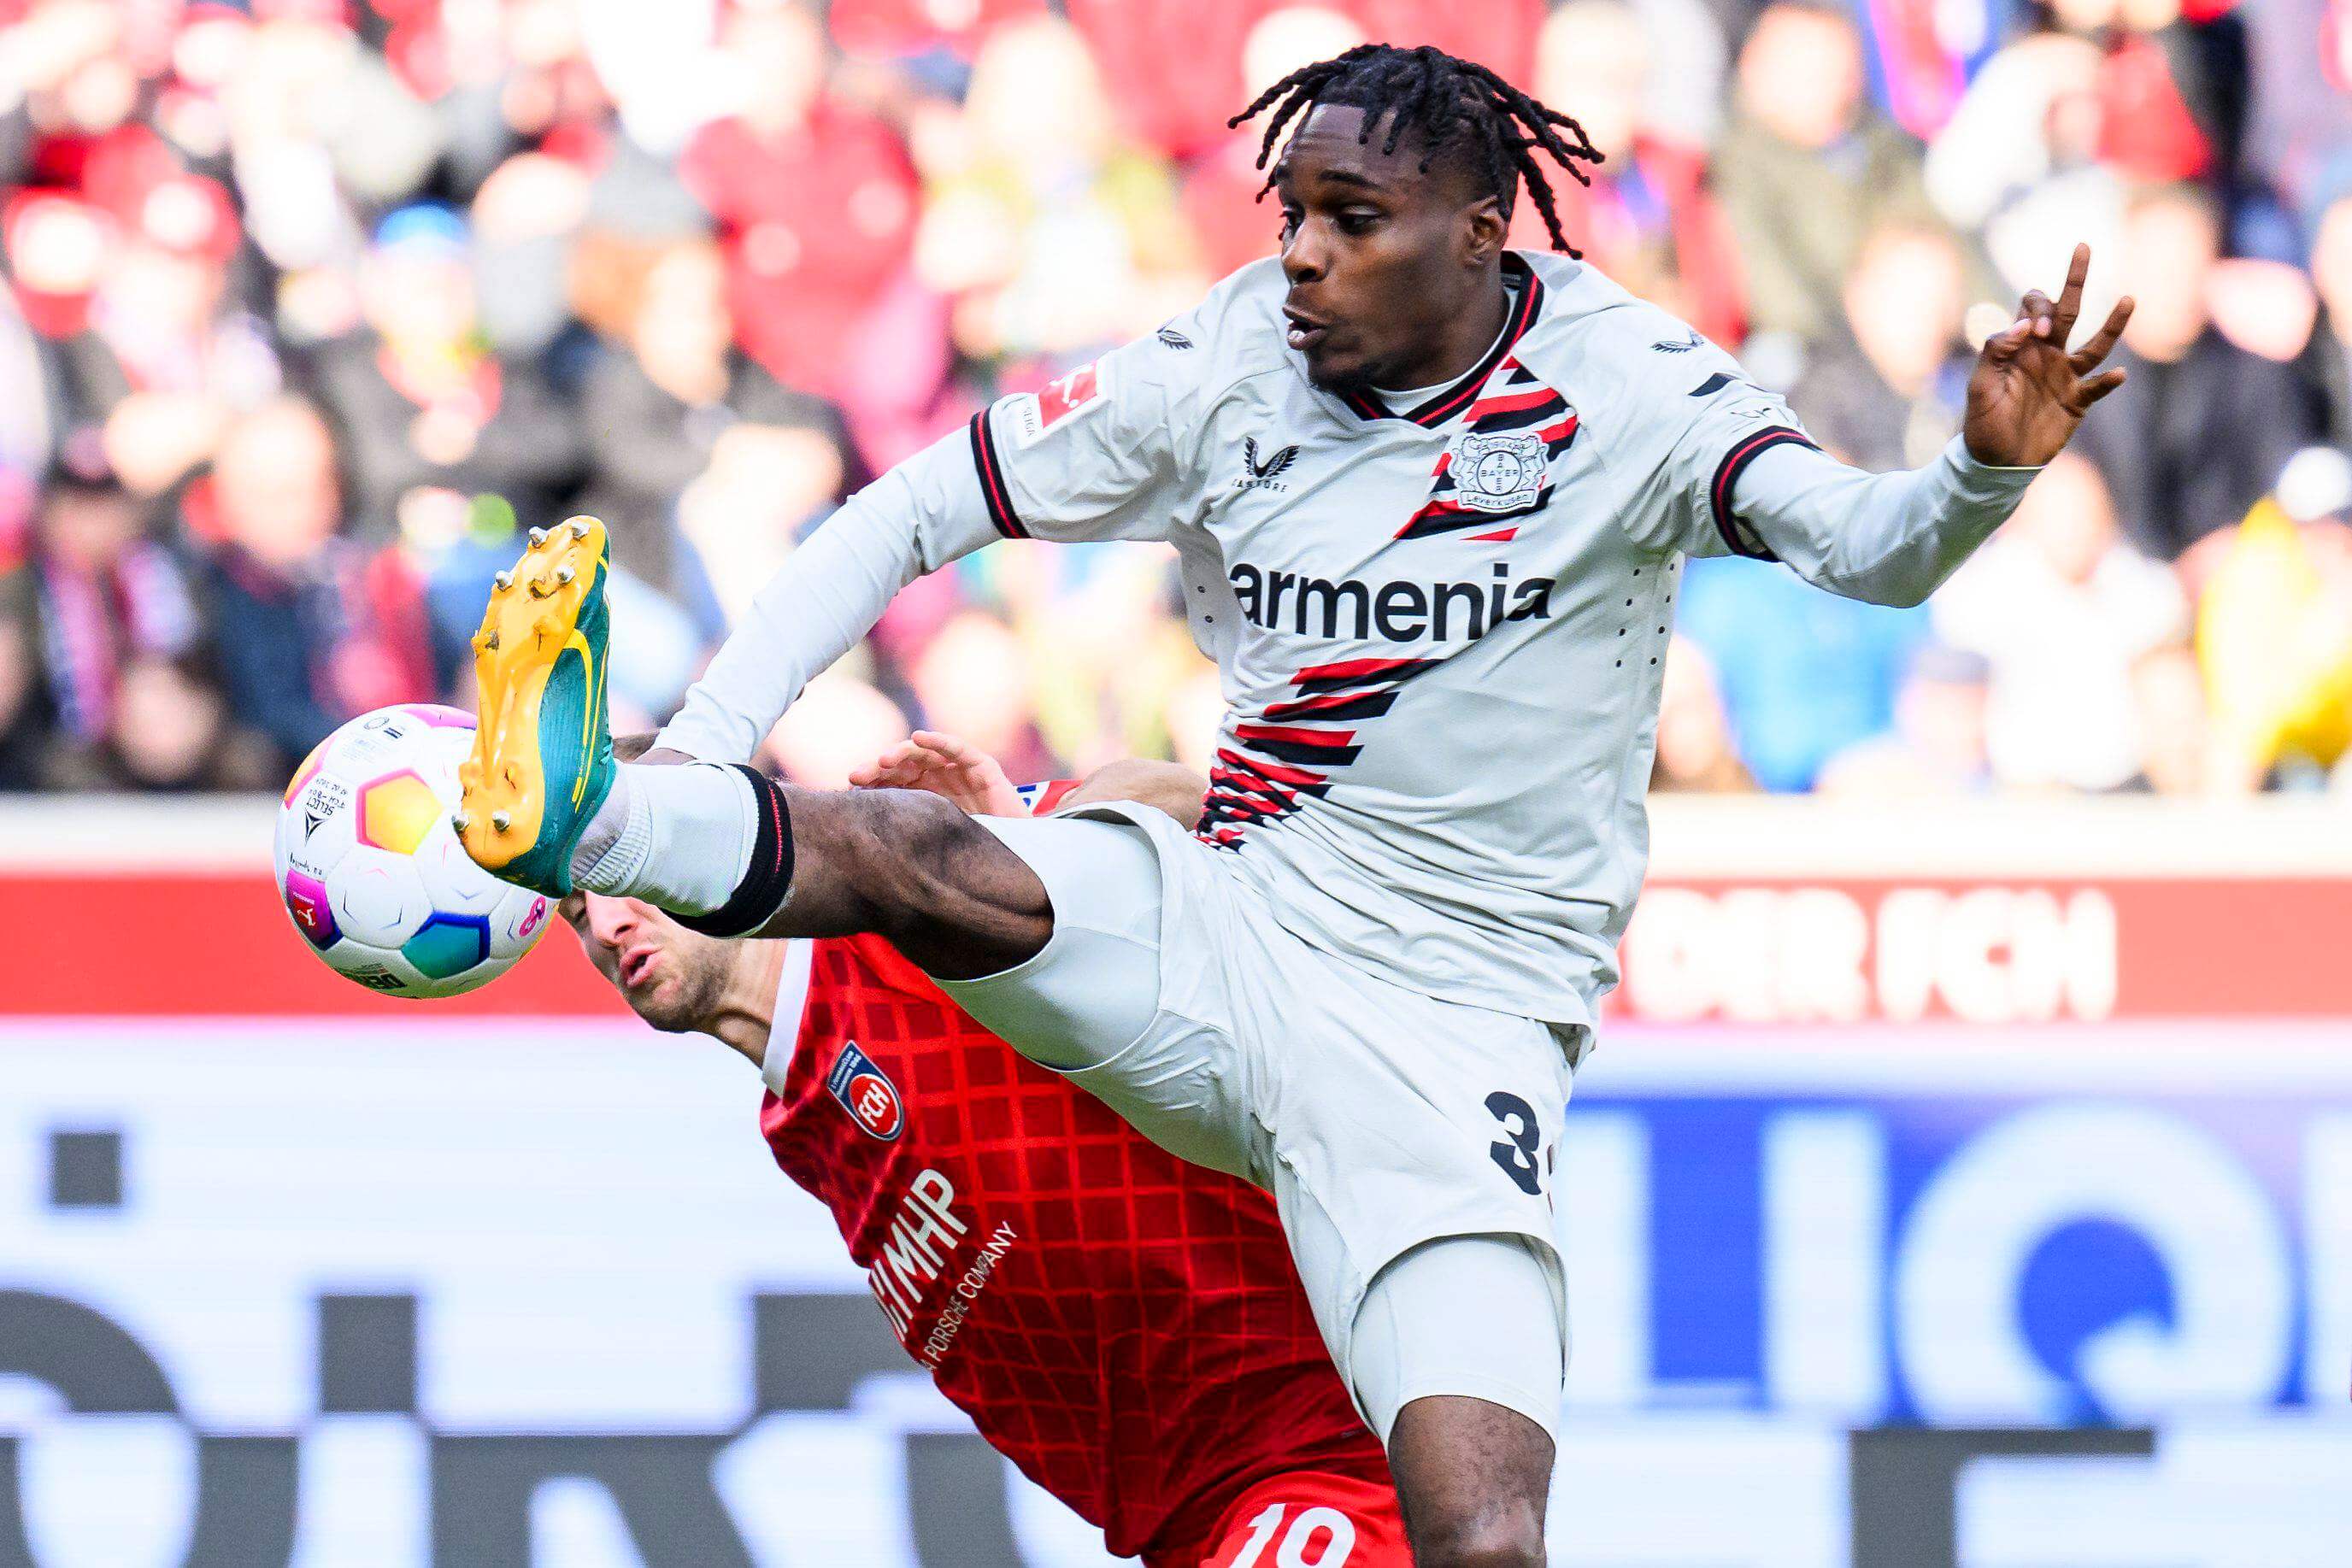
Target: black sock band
point(770, 878)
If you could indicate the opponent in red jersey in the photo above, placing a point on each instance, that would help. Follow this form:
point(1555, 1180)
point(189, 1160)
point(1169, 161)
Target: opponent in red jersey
point(1126, 1327)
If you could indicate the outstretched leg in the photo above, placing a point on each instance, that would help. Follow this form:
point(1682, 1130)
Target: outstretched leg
point(747, 856)
point(912, 867)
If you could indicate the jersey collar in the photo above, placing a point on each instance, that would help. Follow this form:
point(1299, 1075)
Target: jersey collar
point(1450, 402)
point(791, 1012)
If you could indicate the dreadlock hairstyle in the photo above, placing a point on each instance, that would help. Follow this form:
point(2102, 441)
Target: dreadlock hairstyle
point(1451, 103)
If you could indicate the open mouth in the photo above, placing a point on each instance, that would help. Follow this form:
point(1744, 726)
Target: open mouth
point(636, 964)
point(1304, 330)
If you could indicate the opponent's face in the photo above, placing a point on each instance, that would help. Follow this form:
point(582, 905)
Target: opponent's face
point(671, 977)
point(1383, 258)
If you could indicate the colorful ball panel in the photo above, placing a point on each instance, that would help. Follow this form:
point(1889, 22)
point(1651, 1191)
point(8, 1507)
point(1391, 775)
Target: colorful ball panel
point(447, 944)
point(397, 813)
point(306, 900)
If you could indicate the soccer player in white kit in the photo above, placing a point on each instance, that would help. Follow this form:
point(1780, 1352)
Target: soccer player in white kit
point(1430, 497)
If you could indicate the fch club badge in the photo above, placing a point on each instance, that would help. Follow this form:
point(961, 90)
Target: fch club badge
point(867, 1092)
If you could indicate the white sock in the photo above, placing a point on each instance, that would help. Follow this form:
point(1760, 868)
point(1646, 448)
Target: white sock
point(679, 838)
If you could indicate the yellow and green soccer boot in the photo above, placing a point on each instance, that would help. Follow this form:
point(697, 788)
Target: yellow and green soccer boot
point(542, 759)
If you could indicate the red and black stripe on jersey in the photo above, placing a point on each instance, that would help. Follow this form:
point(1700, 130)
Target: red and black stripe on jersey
point(1286, 753)
point(1727, 474)
point(1527, 303)
point(1514, 401)
point(990, 468)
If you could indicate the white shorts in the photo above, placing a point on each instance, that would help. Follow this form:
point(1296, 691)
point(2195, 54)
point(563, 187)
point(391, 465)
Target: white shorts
point(1379, 1118)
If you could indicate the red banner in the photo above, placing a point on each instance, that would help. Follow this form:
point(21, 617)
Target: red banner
point(1773, 913)
point(1987, 951)
point(1753, 950)
point(203, 944)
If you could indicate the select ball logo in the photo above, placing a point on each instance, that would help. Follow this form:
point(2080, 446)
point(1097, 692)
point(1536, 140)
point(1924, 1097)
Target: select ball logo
point(867, 1094)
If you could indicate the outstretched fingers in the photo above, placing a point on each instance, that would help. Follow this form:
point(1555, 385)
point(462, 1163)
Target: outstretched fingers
point(896, 768)
point(2098, 386)
point(2070, 298)
point(948, 747)
point(2086, 359)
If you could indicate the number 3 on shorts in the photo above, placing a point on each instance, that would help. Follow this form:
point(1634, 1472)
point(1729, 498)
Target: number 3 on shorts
point(1515, 1151)
point(1326, 1532)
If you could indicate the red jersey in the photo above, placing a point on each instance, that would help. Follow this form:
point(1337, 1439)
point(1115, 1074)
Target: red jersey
point(1123, 1326)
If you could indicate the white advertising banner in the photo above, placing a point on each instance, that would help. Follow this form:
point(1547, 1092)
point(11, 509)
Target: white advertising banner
point(493, 1292)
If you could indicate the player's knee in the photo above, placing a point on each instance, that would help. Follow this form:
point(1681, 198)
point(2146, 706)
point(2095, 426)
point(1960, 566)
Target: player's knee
point(1472, 1478)
point(1507, 1537)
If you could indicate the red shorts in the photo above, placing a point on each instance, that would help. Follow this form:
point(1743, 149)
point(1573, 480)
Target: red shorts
point(1309, 1519)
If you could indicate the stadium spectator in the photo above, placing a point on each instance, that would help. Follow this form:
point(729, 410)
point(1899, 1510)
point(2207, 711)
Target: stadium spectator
point(768, 482)
point(312, 625)
point(1806, 167)
point(659, 405)
point(2326, 364)
point(1937, 746)
point(2018, 161)
point(23, 708)
point(814, 198)
point(2171, 92)
point(1694, 751)
point(2169, 706)
point(421, 404)
point(2063, 613)
point(172, 730)
point(1221, 183)
point(1888, 391)
point(691, 269)
point(839, 724)
point(2198, 433)
point(166, 357)
point(1056, 235)
point(2275, 632)
point(1804, 674)
point(1648, 219)
point(972, 680)
point(100, 595)
point(2300, 119)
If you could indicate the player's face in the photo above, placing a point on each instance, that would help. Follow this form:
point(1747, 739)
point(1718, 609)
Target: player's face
point(1383, 258)
point(670, 977)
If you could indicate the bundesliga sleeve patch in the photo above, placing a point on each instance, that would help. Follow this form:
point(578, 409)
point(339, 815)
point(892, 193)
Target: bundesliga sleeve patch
point(1077, 392)
point(866, 1092)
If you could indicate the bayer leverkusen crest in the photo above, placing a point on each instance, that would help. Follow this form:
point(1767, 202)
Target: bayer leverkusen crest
point(1498, 473)
point(867, 1092)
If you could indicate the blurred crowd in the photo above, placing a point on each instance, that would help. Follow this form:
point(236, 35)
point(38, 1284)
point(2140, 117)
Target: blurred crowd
point(312, 305)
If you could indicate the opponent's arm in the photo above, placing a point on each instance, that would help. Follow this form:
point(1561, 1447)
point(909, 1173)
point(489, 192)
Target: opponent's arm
point(1892, 539)
point(1169, 787)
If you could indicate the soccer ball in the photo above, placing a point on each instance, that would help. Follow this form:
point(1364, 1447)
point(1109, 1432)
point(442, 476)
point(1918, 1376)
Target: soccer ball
point(373, 874)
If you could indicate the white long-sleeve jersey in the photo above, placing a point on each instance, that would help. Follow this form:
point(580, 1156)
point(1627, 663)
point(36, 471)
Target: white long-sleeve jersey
point(1440, 629)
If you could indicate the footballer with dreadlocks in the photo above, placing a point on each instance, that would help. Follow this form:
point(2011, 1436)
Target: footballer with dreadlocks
point(1429, 499)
